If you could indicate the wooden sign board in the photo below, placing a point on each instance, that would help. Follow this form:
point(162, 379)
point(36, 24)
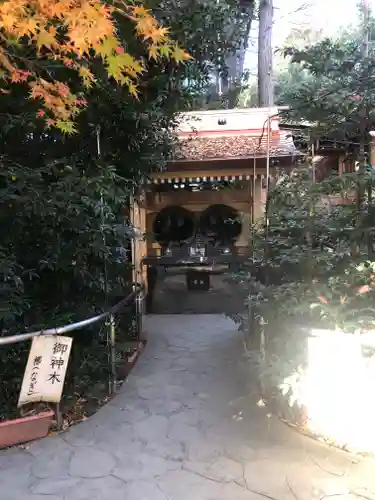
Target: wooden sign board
point(45, 370)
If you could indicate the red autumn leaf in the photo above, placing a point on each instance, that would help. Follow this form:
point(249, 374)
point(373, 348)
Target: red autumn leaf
point(120, 50)
point(50, 123)
point(62, 89)
point(40, 113)
point(81, 102)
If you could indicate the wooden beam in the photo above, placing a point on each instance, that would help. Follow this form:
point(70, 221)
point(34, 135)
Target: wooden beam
point(186, 174)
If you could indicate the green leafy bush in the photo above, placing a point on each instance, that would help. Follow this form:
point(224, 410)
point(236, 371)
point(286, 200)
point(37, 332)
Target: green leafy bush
point(312, 268)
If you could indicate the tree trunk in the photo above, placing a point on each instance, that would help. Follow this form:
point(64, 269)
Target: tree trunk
point(265, 77)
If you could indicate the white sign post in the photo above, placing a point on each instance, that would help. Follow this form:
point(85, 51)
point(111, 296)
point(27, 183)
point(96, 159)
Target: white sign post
point(45, 370)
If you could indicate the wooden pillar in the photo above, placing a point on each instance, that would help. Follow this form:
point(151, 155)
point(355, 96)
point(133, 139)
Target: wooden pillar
point(139, 244)
point(372, 151)
point(263, 194)
point(342, 165)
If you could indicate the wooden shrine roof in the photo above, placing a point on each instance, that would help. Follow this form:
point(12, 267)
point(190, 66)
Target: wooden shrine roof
point(232, 133)
point(234, 145)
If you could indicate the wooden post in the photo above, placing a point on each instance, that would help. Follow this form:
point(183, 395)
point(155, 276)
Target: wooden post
point(59, 418)
point(372, 150)
point(342, 166)
point(139, 245)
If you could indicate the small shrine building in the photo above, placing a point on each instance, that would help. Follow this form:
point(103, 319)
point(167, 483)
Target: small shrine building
point(197, 213)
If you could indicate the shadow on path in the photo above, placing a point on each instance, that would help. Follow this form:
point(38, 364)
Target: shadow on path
point(185, 426)
point(171, 296)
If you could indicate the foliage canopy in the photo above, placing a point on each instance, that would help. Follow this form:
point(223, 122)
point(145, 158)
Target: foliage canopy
point(74, 33)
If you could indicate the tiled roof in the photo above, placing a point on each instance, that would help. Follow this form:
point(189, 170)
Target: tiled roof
point(235, 145)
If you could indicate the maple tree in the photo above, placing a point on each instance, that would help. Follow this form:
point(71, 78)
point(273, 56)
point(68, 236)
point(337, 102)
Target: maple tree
point(74, 33)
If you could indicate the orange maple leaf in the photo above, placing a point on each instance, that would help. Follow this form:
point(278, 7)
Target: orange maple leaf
point(19, 76)
point(76, 32)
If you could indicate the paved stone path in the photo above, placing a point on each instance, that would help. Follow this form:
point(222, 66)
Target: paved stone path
point(184, 427)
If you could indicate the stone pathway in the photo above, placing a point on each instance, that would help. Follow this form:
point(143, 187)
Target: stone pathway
point(184, 427)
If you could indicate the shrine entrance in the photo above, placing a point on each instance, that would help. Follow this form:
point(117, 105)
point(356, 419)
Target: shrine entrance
point(199, 230)
point(195, 217)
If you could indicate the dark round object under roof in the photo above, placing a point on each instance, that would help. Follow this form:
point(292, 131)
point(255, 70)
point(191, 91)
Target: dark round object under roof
point(173, 225)
point(220, 224)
